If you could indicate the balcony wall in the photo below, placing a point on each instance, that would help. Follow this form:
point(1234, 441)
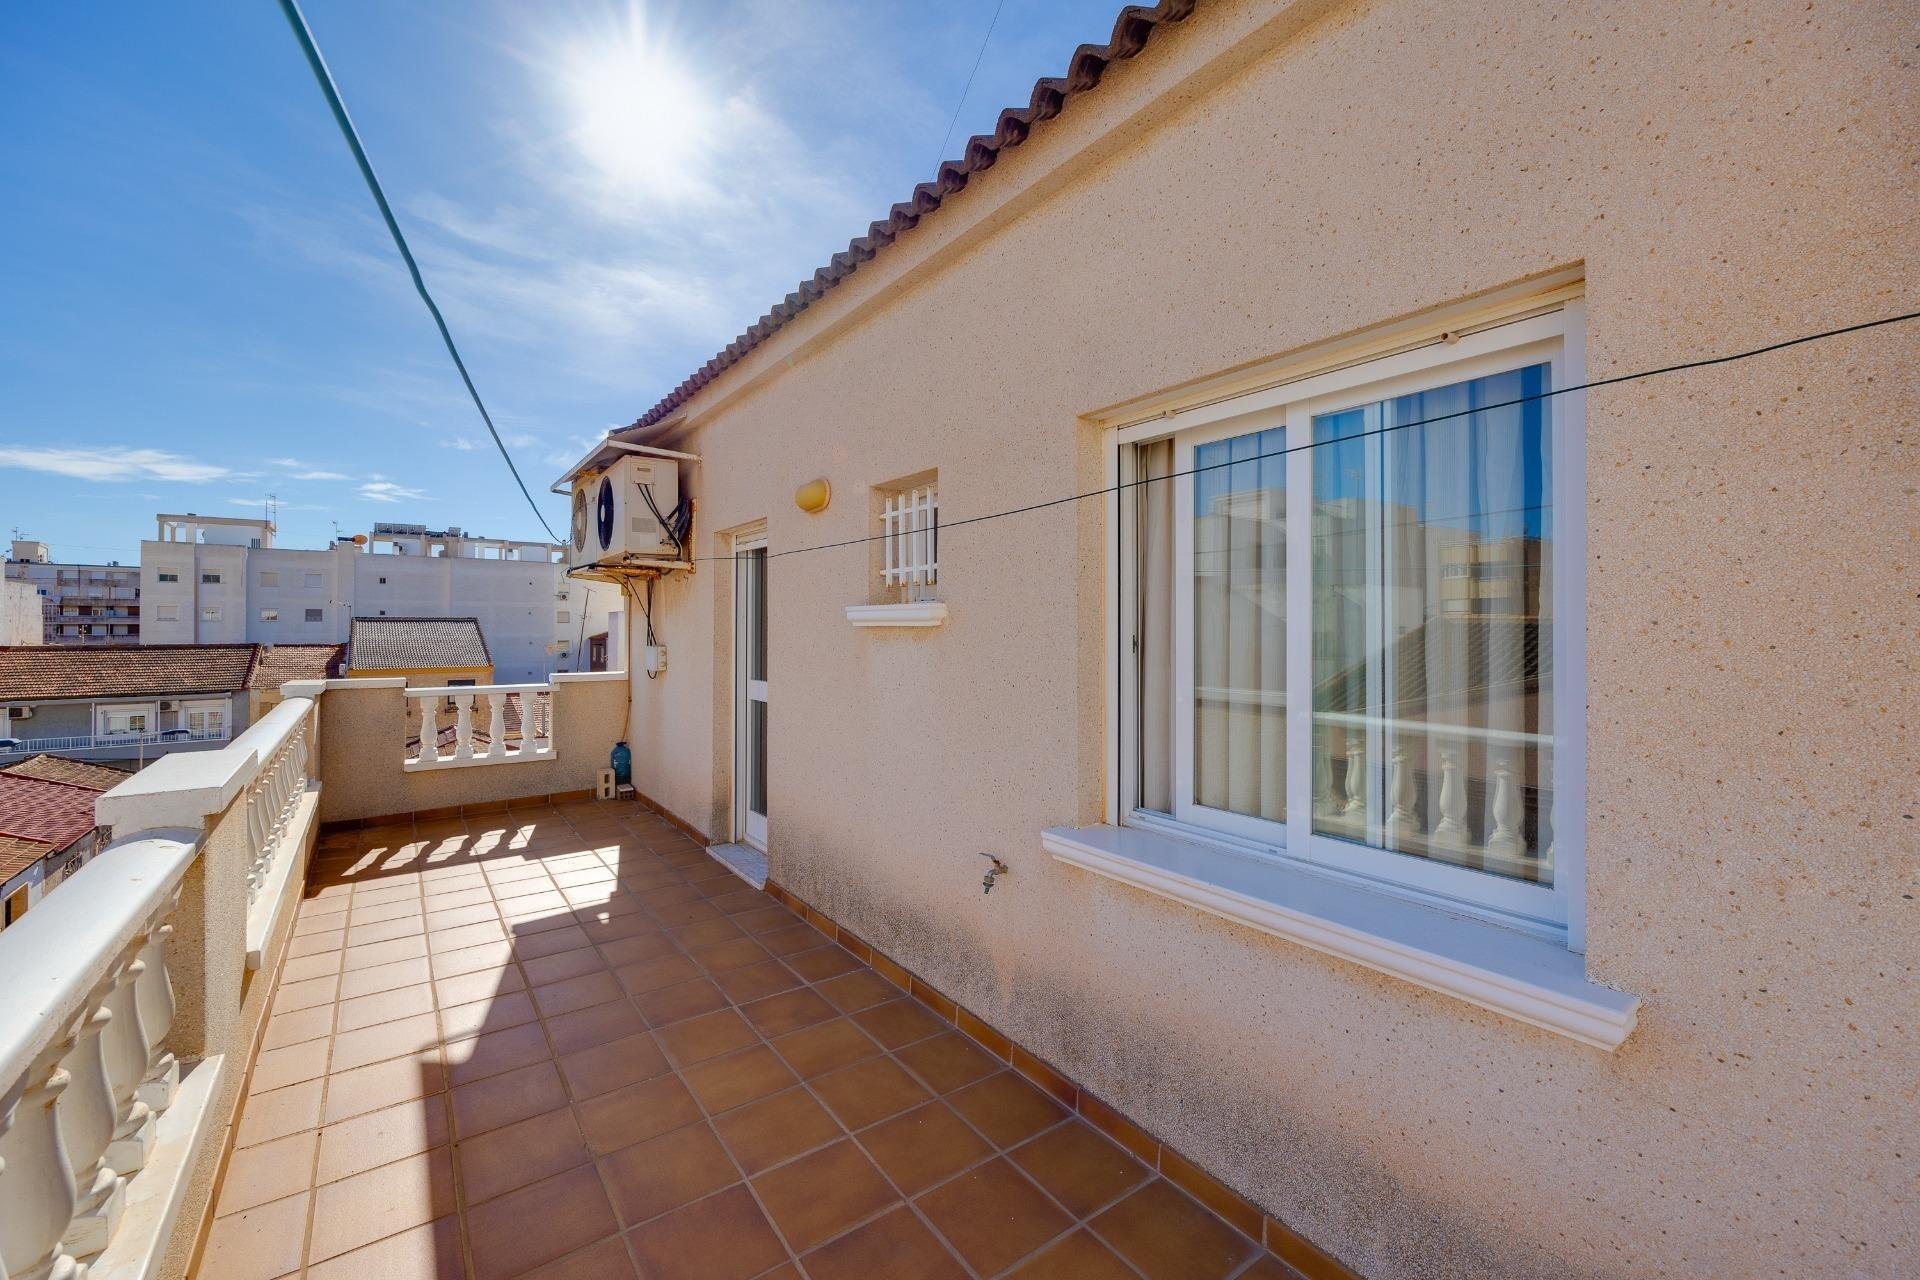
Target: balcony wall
point(369, 722)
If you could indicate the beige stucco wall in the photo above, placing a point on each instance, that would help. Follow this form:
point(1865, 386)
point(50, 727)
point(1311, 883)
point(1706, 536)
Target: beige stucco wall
point(362, 746)
point(1267, 178)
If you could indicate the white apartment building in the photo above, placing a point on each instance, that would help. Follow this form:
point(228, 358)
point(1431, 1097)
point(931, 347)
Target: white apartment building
point(90, 604)
point(220, 580)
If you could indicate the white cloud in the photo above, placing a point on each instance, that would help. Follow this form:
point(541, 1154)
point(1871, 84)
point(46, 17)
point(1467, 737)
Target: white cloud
point(377, 489)
point(114, 463)
point(461, 443)
point(298, 470)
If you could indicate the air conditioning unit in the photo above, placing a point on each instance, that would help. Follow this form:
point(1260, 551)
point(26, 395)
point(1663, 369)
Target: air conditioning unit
point(627, 515)
point(169, 706)
point(21, 713)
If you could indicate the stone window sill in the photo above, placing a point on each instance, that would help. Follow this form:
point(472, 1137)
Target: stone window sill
point(920, 613)
point(1534, 980)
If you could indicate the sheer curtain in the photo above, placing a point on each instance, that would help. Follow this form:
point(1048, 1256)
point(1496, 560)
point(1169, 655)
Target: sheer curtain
point(1240, 625)
point(1432, 651)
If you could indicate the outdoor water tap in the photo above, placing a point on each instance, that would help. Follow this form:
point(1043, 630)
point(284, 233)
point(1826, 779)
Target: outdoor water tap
point(999, 868)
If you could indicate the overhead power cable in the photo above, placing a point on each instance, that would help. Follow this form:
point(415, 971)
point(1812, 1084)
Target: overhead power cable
point(967, 88)
point(1589, 385)
point(298, 22)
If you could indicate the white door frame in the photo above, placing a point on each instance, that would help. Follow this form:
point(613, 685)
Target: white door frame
point(749, 620)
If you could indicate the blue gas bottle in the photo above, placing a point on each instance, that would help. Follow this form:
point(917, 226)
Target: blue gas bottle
point(622, 764)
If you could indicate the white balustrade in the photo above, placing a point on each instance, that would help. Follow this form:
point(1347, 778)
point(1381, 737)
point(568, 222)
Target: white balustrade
point(518, 719)
point(84, 1014)
point(273, 797)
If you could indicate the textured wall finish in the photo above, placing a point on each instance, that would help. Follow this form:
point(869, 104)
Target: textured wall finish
point(1265, 178)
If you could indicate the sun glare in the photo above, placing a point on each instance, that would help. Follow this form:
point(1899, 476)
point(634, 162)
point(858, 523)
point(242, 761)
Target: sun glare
point(640, 115)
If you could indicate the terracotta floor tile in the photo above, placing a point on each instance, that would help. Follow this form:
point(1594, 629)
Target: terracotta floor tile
point(993, 1216)
point(538, 944)
point(796, 940)
point(723, 1237)
point(820, 964)
point(896, 1245)
point(756, 981)
point(508, 1158)
point(767, 918)
point(444, 918)
point(374, 1138)
point(404, 926)
point(495, 1052)
point(613, 1065)
point(304, 995)
point(427, 1252)
point(307, 967)
point(1006, 1108)
point(924, 1146)
point(572, 994)
point(586, 1028)
point(634, 948)
point(1268, 1267)
point(278, 1068)
point(652, 1177)
point(825, 1047)
point(318, 942)
point(707, 1036)
point(656, 972)
point(386, 1006)
point(869, 1091)
point(679, 1002)
point(502, 1099)
point(383, 977)
point(735, 1079)
point(487, 959)
point(1169, 1236)
point(735, 953)
point(947, 1062)
point(495, 1013)
point(372, 955)
point(369, 1045)
point(261, 1243)
point(298, 1026)
point(266, 1116)
point(470, 987)
point(764, 1133)
point(1078, 1257)
point(707, 933)
point(636, 1113)
point(268, 1171)
point(789, 1011)
point(385, 1084)
point(1079, 1168)
point(899, 1022)
point(818, 1196)
point(607, 1260)
point(861, 989)
point(467, 935)
point(538, 1223)
point(380, 1202)
point(577, 963)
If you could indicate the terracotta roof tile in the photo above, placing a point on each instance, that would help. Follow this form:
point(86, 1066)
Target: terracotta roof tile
point(37, 672)
point(57, 813)
point(280, 663)
point(1131, 31)
point(78, 773)
point(408, 644)
point(17, 855)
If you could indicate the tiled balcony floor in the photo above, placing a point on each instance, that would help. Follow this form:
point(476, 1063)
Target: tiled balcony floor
point(565, 1042)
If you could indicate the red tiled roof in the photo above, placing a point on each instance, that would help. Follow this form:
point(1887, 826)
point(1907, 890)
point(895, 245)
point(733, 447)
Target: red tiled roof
point(412, 644)
point(1131, 30)
point(17, 855)
point(31, 673)
point(280, 663)
point(56, 813)
point(77, 773)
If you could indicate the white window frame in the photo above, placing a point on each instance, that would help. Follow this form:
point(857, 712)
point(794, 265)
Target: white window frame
point(209, 579)
point(166, 613)
point(210, 613)
point(1554, 336)
point(104, 717)
point(313, 615)
point(313, 581)
point(910, 542)
point(269, 615)
point(269, 577)
point(162, 575)
point(204, 709)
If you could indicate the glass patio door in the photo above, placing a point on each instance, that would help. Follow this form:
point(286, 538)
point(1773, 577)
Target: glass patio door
point(750, 690)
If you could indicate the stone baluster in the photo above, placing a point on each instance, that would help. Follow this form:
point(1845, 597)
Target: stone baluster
point(1506, 812)
point(127, 1051)
point(88, 1118)
point(497, 726)
point(429, 729)
point(1451, 831)
point(463, 726)
point(1324, 803)
point(1356, 782)
point(540, 707)
point(153, 993)
point(36, 1176)
point(1402, 822)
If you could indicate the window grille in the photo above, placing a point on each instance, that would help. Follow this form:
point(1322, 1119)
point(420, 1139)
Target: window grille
point(910, 540)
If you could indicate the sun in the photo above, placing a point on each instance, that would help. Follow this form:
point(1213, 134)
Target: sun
point(639, 114)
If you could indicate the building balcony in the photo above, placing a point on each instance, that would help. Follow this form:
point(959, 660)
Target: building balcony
point(378, 990)
point(108, 745)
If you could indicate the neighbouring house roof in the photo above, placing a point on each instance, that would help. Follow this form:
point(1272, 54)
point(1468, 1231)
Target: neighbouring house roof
point(280, 663)
point(1131, 31)
point(79, 773)
point(41, 672)
point(411, 644)
point(38, 817)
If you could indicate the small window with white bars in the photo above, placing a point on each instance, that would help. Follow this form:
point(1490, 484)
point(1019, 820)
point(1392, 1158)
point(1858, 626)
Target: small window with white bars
point(910, 542)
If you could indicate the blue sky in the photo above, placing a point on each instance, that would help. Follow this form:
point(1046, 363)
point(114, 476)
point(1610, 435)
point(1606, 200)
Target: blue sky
point(200, 306)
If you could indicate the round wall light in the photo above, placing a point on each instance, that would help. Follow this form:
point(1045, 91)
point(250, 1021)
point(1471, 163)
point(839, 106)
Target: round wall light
point(813, 496)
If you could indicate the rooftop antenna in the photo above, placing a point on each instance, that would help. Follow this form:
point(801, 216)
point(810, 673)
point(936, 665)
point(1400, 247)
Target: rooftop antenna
point(273, 508)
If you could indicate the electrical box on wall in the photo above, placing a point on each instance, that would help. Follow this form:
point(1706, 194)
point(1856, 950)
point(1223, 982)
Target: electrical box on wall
point(655, 658)
point(631, 515)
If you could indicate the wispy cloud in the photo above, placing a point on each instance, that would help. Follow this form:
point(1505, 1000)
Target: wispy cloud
point(513, 440)
point(379, 489)
point(114, 463)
